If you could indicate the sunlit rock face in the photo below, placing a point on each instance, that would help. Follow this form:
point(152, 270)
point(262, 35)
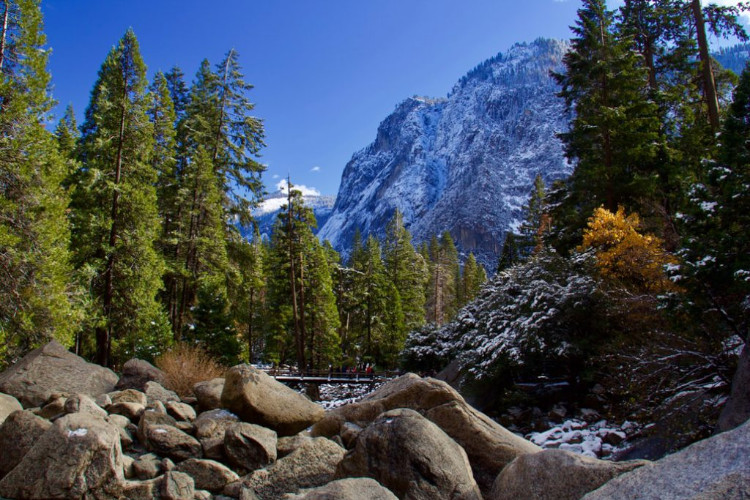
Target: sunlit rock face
point(465, 163)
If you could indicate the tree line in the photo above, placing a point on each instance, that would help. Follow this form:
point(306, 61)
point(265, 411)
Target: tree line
point(120, 237)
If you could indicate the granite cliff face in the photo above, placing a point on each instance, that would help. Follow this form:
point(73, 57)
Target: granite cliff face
point(465, 163)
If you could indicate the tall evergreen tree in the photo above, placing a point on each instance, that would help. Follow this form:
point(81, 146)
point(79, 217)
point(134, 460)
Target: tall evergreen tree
point(444, 281)
point(717, 248)
point(614, 131)
point(407, 271)
point(536, 226)
point(35, 288)
point(115, 217)
point(304, 321)
point(510, 255)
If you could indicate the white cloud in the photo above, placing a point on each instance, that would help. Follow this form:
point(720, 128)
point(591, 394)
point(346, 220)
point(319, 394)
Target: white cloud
point(306, 191)
point(315, 169)
point(275, 176)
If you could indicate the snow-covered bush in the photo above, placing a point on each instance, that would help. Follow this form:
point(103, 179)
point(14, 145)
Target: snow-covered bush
point(531, 319)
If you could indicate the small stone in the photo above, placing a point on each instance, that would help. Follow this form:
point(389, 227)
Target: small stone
point(177, 486)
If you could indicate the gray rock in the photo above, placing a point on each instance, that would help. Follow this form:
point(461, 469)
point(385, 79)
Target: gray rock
point(8, 404)
point(180, 411)
point(412, 457)
point(209, 393)
point(555, 475)
point(127, 466)
point(249, 447)
point(360, 488)
point(712, 469)
point(81, 403)
point(128, 396)
point(177, 486)
point(489, 446)
point(132, 411)
point(202, 495)
point(210, 427)
point(18, 434)
point(259, 399)
point(148, 466)
point(53, 407)
point(207, 474)
point(349, 433)
point(737, 409)
point(78, 456)
point(171, 442)
point(287, 444)
point(149, 418)
point(52, 368)
point(135, 374)
point(156, 392)
point(310, 466)
point(143, 489)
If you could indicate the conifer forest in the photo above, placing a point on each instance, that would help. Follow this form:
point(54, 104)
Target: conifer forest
point(132, 232)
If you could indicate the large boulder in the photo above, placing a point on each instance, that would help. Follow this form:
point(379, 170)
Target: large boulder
point(412, 457)
point(311, 465)
point(712, 469)
point(249, 447)
point(135, 374)
point(210, 428)
point(52, 369)
point(78, 456)
point(173, 443)
point(555, 475)
point(8, 404)
point(488, 445)
point(259, 399)
point(361, 488)
point(18, 434)
point(737, 409)
point(208, 393)
point(207, 474)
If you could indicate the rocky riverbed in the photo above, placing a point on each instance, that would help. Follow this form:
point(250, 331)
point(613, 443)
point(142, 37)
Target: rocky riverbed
point(75, 430)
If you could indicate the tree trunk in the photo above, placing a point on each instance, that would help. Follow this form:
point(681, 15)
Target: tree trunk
point(4, 34)
point(709, 84)
point(104, 338)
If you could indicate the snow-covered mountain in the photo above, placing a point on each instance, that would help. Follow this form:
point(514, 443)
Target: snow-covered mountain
point(266, 213)
point(465, 163)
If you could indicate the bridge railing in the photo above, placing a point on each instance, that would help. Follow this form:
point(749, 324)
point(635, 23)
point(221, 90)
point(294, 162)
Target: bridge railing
point(337, 375)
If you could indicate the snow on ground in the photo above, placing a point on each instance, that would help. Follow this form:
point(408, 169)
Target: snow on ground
point(335, 395)
point(598, 440)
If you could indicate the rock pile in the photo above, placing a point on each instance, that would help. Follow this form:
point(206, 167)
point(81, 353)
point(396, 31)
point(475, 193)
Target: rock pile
point(248, 437)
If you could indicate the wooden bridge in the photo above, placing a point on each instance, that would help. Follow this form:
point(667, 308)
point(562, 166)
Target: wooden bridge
point(329, 377)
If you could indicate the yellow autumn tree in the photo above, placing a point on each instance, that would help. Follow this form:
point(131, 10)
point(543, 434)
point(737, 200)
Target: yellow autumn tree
point(626, 256)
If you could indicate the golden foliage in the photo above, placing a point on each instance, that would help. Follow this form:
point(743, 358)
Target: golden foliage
point(185, 365)
point(634, 260)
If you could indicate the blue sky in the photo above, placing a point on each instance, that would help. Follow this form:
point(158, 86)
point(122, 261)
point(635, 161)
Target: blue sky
point(325, 72)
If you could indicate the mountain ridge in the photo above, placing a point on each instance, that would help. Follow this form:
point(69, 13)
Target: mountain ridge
point(464, 163)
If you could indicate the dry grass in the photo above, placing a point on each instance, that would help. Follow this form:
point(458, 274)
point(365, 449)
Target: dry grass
point(185, 365)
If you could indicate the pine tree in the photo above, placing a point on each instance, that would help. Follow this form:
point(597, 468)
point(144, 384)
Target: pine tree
point(536, 226)
point(115, 217)
point(444, 281)
point(169, 201)
point(178, 92)
point(67, 134)
point(473, 277)
point(238, 138)
point(406, 270)
point(510, 255)
point(248, 291)
point(35, 288)
point(301, 305)
point(717, 246)
point(612, 137)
